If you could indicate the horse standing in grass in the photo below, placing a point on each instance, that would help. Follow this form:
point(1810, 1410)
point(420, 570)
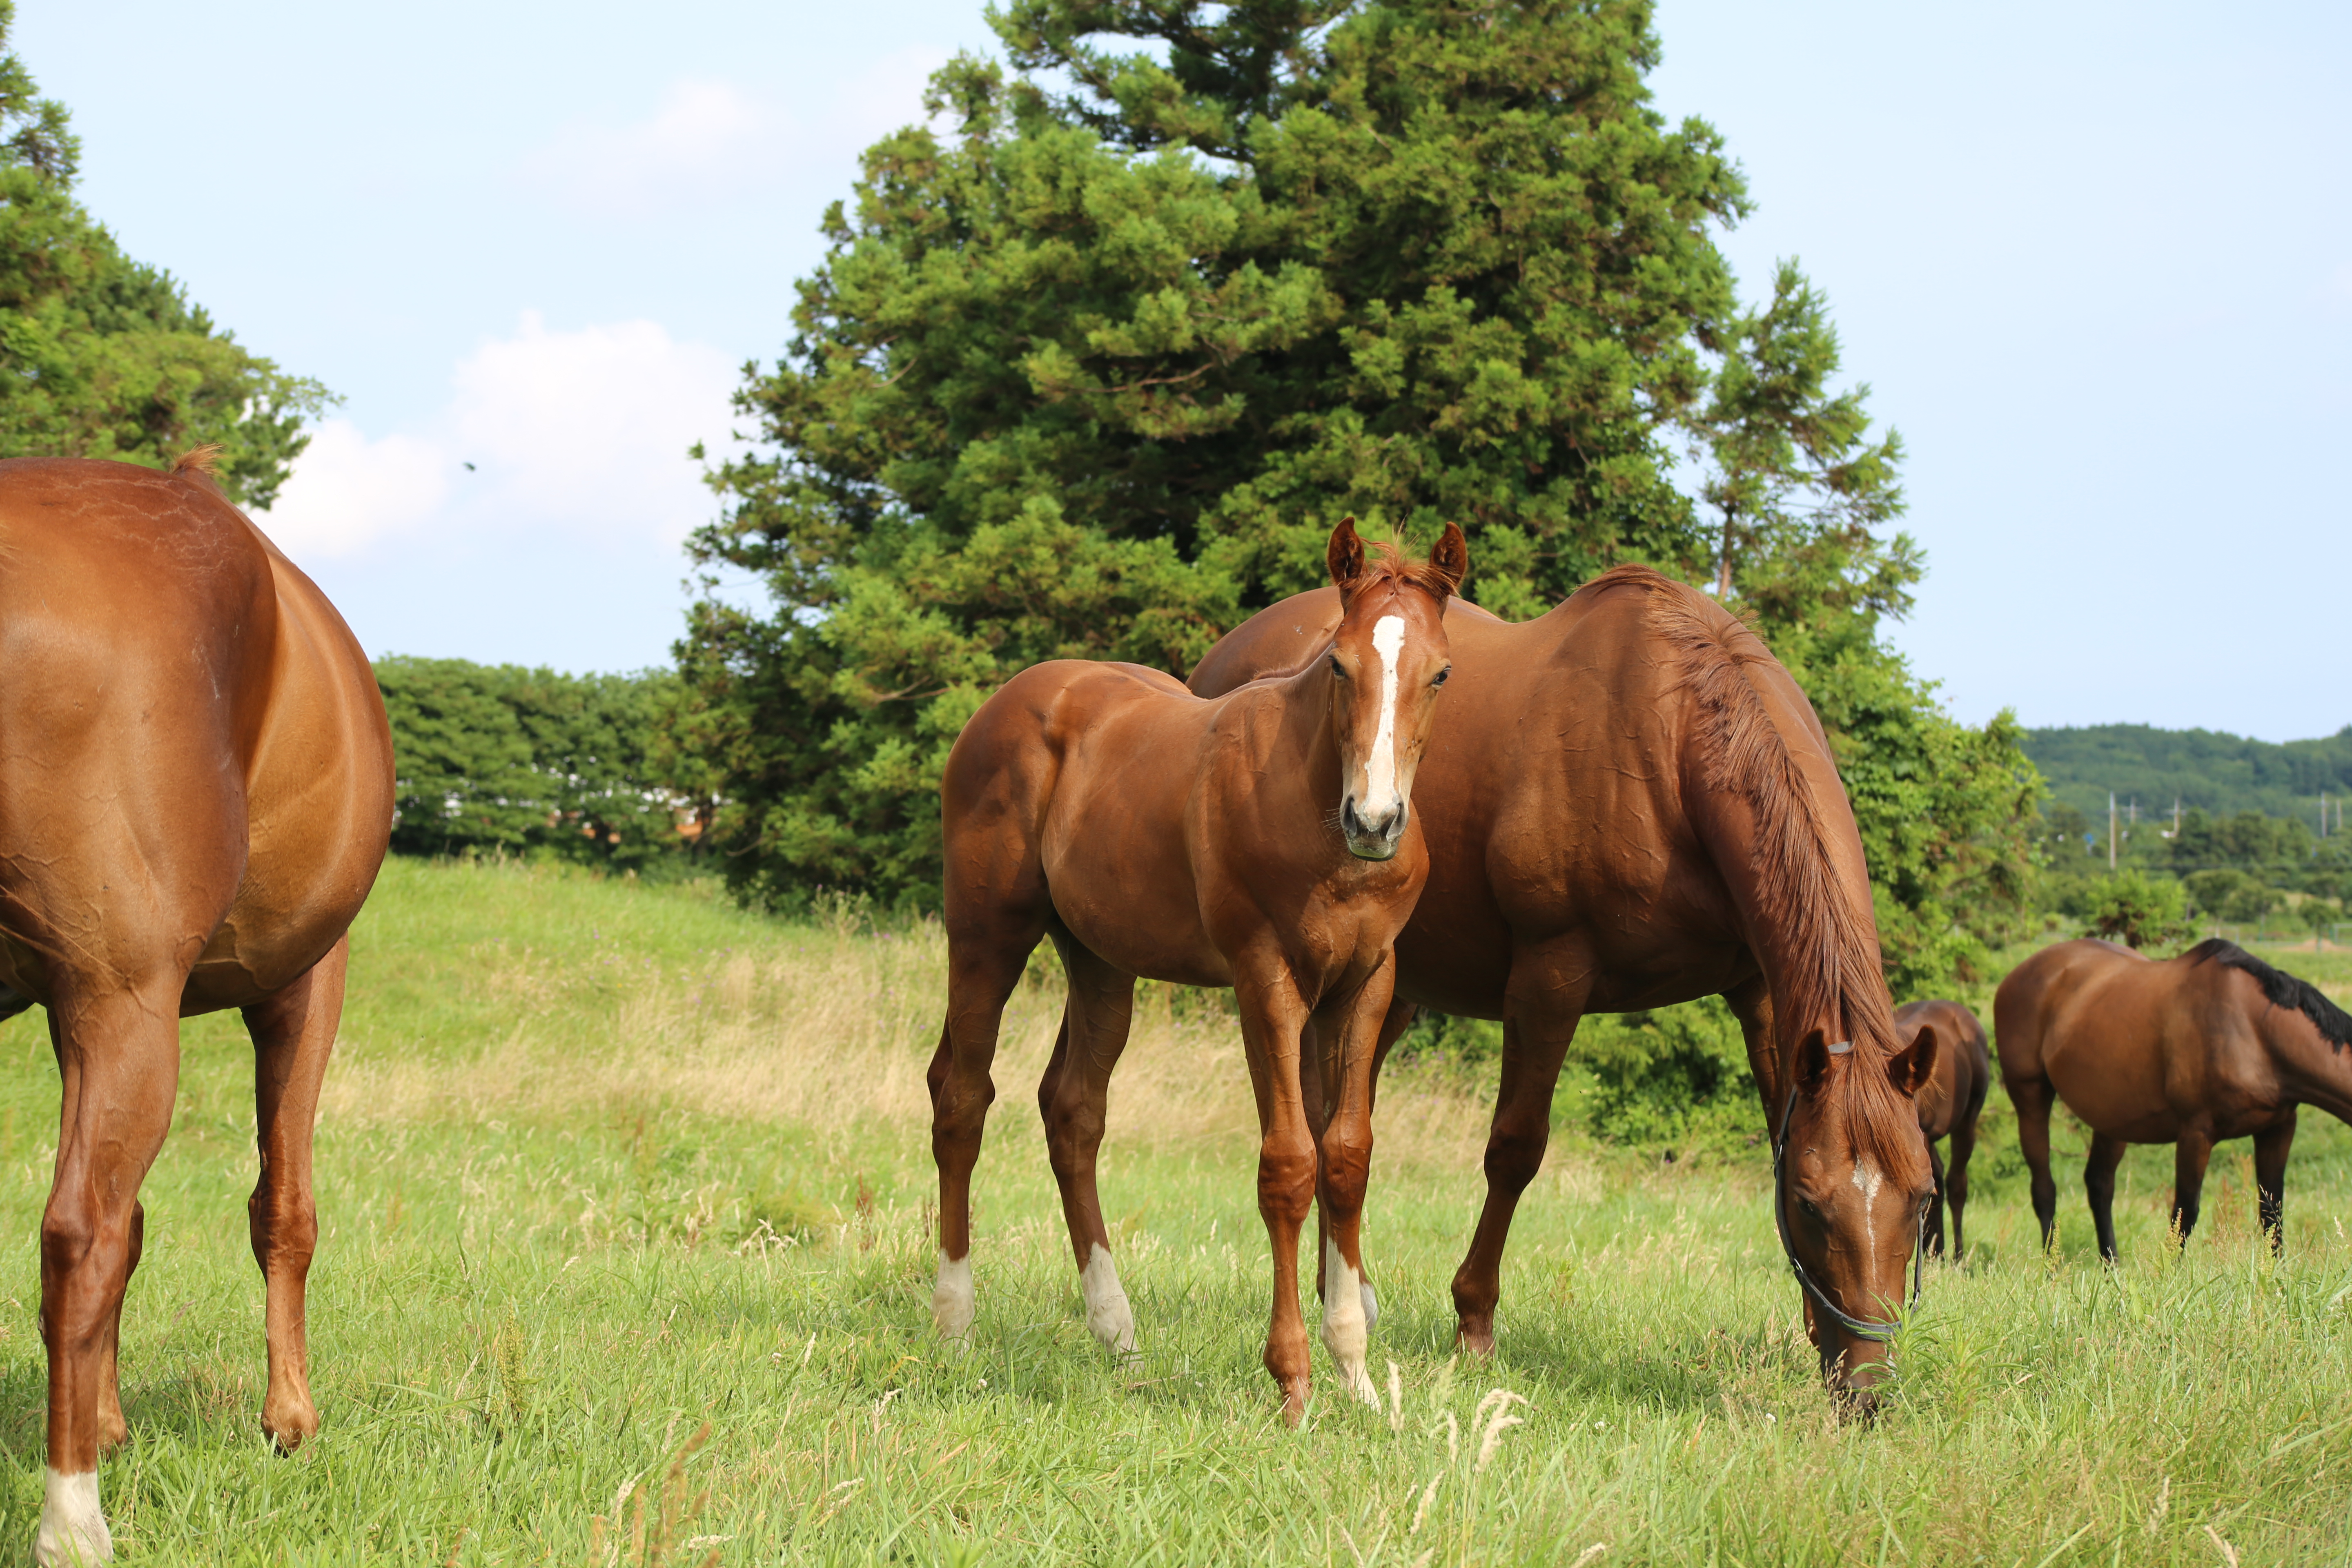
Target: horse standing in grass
point(2214, 1043)
point(1630, 804)
point(1263, 841)
point(1949, 1103)
point(195, 794)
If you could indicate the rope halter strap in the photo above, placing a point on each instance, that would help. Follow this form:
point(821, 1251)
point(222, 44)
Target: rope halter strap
point(1876, 1329)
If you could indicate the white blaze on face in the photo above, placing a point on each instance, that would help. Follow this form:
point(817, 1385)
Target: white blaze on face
point(73, 1527)
point(1867, 1181)
point(1379, 769)
point(1346, 1333)
point(951, 1298)
point(1109, 1317)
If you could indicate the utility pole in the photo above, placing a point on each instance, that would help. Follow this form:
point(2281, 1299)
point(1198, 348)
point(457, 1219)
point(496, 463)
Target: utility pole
point(2110, 831)
point(2176, 816)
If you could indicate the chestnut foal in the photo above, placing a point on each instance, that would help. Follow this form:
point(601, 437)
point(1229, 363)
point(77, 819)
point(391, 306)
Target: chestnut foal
point(1263, 840)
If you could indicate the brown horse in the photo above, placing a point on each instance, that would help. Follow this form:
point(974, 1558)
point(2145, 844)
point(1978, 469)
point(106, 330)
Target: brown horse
point(2214, 1043)
point(1263, 841)
point(1630, 804)
point(195, 793)
point(1949, 1103)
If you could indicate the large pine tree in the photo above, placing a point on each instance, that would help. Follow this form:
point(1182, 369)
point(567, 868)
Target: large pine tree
point(1094, 373)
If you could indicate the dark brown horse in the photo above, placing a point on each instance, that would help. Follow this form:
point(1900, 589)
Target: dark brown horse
point(195, 793)
point(1263, 841)
point(1949, 1103)
point(1630, 804)
point(2214, 1043)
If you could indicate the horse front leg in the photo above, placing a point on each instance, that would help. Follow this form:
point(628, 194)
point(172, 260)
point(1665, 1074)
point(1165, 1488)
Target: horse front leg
point(1345, 1172)
point(2271, 1146)
point(1540, 1012)
point(1273, 1018)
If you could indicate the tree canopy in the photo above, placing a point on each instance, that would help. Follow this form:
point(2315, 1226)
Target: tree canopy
point(499, 757)
point(106, 357)
point(1093, 371)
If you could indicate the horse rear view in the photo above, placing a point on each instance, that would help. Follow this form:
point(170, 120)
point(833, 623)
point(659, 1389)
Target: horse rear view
point(196, 794)
point(2214, 1043)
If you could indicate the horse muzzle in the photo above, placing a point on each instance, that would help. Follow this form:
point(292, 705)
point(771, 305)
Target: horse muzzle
point(1372, 836)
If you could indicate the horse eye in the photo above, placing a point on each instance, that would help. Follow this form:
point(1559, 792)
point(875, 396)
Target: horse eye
point(1337, 669)
point(1442, 675)
point(1811, 1208)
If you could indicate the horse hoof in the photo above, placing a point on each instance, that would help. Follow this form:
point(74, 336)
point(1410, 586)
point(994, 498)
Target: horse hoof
point(291, 1425)
point(1476, 1340)
point(1294, 1401)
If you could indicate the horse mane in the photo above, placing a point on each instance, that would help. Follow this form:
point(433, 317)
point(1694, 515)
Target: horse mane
point(1388, 564)
point(2280, 989)
point(1838, 970)
point(199, 460)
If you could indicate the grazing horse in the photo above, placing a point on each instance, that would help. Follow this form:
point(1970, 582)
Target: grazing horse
point(1949, 1103)
point(2214, 1043)
point(1630, 804)
point(1263, 841)
point(195, 794)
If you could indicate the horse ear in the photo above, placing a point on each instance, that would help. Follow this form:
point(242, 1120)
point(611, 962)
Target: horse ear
point(1813, 1062)
point(1910, 1068)
point(1346, 555)
point(1450, 558)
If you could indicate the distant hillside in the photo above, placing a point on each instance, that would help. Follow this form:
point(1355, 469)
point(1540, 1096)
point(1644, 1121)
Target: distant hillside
point(2202, 768)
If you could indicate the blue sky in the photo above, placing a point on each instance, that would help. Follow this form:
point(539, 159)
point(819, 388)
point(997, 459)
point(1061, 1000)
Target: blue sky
point(2095, 260)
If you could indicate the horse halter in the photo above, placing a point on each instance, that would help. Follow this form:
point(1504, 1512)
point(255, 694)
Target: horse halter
point(1860, 1328)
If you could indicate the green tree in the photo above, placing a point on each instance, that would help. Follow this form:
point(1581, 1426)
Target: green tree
point(501, 757)
point(101, 356)
point(1095, 372)
point(2139, 910)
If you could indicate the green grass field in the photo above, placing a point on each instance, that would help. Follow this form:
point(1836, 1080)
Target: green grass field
point(626, 1260)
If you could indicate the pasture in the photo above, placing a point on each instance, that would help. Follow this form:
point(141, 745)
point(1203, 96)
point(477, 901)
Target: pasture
point(626, 1258)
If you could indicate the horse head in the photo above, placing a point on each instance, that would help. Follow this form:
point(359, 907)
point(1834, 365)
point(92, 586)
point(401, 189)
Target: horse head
point(1851, 1189)
point(1388, 660)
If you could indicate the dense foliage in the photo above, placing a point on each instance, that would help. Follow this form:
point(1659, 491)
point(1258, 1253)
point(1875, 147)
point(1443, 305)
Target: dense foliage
point(2215, 773)
point(1094, 373)
point(499, 757)
point(101, 356)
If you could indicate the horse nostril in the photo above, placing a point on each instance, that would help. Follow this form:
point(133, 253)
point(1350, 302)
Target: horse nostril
point(1349, 823)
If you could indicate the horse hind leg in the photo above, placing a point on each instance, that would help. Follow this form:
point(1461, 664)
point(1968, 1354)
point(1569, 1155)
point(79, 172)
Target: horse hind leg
point(982, 974)
point(1072, 1098)
point(2271, 1147)
point(119, 1061)
point(293, 1032)
point(2099, 1186)
point(2032, 1098)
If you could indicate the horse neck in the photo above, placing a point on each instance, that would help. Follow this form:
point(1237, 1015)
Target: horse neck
point(1782, 838)
point(2311, 1070)
point(1307, 698)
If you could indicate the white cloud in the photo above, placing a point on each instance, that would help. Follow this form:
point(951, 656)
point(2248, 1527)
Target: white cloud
point(703, 137)
point(588, 430)
point(347, 491)
point(580, 433)
point(709, 140)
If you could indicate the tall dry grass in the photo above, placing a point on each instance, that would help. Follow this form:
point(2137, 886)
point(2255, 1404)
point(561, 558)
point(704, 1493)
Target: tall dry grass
point(832, 1028)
